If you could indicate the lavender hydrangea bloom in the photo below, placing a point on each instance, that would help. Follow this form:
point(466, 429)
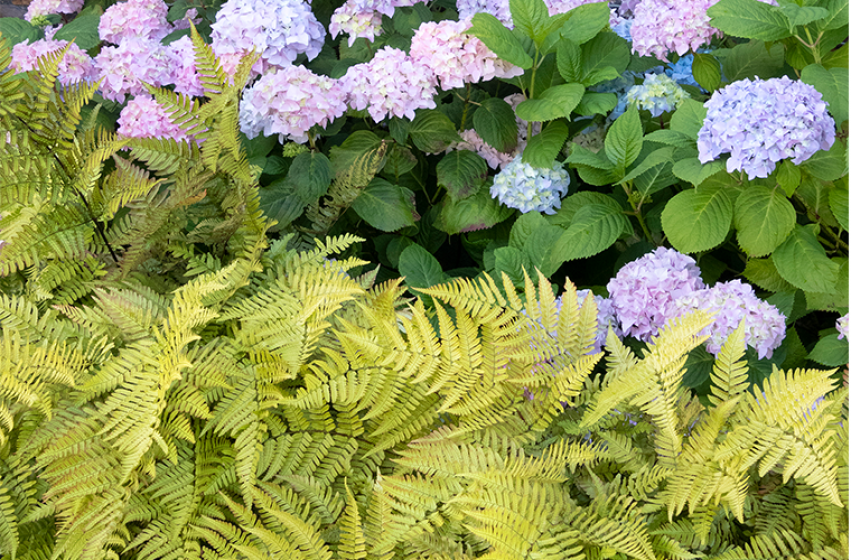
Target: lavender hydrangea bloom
point(392, 83)
point(289, 102)
point(279, 31)
point(658, 94)
point(731, 302)
point(497, 8)
point(762, 122)
point(644, 292)
point(527, 188)
point(842, 326)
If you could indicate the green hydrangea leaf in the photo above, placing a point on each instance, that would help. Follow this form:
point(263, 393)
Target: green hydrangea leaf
point(698, 219)
point(802, 261)
point(764, 218)
point(385, 206)
point(462, 173)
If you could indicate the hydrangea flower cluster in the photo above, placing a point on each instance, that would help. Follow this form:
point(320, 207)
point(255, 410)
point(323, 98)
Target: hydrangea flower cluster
point(455, 57)
point(143, 19)
point(39, 8)
point(664, 26)
point(76, 66)
point(135, 61)
point(279, 31)
point(842, 326)
point(645, 291)
point(184, 75)
point(349, 20)
point(392, 83)
point(143, 117)
point(289, 102)
point(658, 94)
point(762, 122)
point(527, 188)
point(730, 302)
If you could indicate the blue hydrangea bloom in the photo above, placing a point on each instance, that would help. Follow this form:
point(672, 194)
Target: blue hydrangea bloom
point(527, 188)
point(658, 94)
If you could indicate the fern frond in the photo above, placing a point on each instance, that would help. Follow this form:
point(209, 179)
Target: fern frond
point(729, 372)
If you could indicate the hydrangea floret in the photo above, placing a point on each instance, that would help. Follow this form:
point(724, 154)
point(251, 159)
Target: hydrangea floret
point(75, 66)
point(527, 188)
point(456, 57)
point(761, 122)
point(644, 292)
point(730, 303)
point(143, 19)
point(279, 31)
point(391, 84)
point(658, 94)
point(289, 102)
point(39, 8)
point(143, 117)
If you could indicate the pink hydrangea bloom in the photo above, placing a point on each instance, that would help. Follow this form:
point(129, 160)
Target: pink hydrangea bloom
point(47, 7)
point(347, 19)
point(184, 75)
point(289, 102)
point(730, 302)
point(279, 31)
point(391, 84)
point(644, 292)
point(143, 117)
point(124, 68)
point(665, 26)
point(455, 57)
point(143, 19)
point(76, 66)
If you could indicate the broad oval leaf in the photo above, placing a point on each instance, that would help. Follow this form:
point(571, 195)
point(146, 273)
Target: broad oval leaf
point(432, 131)
point(500, 40)
point(462, 173)
point(555, 103)
point(495, 123)
point(624, 140)
point(310, 176)
point(594, 228)
point(764, 218)
point(802, 261)
point(543, 148)
point(385, 206)
point(698, 219)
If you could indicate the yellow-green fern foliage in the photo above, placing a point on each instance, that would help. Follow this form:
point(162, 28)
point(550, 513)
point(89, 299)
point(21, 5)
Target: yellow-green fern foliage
point(279, 408)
